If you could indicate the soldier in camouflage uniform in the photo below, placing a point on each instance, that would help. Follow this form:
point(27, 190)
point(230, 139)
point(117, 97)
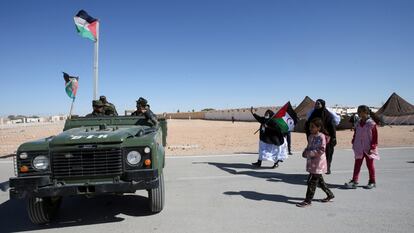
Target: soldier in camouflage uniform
point(98, 109)
point(143, 109)
point(109, 108)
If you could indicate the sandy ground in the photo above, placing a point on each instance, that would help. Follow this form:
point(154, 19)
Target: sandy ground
point(200, 137)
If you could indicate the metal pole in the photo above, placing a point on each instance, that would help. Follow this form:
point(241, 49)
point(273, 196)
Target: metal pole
point(71, 108)
point(95, 64)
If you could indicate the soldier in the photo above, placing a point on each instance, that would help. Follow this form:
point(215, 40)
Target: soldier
point(143, 109)
point(98, 107)
point(109, 108)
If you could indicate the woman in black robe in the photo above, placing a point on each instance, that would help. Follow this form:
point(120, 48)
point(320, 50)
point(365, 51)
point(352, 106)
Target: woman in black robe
point(271, 139)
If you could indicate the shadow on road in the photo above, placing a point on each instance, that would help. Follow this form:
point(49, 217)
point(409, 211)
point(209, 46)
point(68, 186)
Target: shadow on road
point(266, 197)
point(246, 153)
point(75, 211)
point(297, 179)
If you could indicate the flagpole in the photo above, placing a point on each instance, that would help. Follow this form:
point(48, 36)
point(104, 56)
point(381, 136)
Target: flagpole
point(95, 64)
point(71, 108)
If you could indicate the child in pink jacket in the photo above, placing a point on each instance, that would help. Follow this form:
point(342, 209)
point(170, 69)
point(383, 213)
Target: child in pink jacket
point(364, 145)
point(316, 163)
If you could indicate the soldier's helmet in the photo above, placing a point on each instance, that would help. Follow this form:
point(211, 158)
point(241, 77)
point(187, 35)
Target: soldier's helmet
point(97, 103)
point(102, 98)
point(142, 102)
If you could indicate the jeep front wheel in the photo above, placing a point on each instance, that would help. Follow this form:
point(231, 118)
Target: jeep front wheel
point(42, 210)
point(157, 196)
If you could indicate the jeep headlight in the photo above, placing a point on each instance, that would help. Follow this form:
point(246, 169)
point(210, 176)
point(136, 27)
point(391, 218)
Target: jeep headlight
point(133, 157)
point(41, 162)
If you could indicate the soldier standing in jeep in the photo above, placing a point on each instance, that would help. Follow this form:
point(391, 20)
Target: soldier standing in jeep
point(143, 109)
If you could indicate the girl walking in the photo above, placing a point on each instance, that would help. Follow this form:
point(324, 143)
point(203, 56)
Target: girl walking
point(316, 163)
point(329, 120)
point(364, 145)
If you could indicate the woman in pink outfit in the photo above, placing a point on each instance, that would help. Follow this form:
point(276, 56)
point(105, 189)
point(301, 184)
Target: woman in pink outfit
point(316, 163)
point(364, 145)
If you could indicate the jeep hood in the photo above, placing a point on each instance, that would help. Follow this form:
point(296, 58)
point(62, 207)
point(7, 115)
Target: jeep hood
point(94, 135)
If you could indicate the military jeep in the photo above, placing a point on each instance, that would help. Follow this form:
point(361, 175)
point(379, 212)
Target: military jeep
point(92, 156)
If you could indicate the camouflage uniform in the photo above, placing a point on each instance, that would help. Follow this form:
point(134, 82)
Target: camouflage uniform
point(109, 108)
point(96, 103)
point(149, 115)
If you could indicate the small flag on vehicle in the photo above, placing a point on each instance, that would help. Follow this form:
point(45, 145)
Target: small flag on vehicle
point(71, 85)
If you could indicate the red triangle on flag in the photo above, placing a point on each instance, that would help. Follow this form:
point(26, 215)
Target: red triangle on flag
point(93, 28)
point(282, 112)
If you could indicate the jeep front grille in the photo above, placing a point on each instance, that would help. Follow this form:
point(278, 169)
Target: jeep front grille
point(86, 163)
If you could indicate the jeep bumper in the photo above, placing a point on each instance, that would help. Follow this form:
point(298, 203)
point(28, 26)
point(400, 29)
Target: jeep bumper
point(44, 186)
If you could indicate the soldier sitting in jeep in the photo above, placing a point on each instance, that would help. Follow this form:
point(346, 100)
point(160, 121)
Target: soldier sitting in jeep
point(98, 109)
point(143, 109)
point(108, 108)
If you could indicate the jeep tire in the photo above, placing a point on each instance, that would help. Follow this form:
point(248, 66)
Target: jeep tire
point(156, 196)
point(42, 210)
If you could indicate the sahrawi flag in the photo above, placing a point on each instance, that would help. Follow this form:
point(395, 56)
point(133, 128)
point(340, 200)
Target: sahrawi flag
point(286, 118)
point(71, 85)
point(86, 25)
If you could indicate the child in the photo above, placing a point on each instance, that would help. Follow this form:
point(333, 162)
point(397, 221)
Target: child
point(364, 144)
point(316, 163)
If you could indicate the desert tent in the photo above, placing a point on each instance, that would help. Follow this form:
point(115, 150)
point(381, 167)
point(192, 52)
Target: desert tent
point(396, 111)
point(302, 110)
point(304, 107)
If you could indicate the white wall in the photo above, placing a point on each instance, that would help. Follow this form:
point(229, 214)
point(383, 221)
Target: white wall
point(242, 114)
point(30, 120)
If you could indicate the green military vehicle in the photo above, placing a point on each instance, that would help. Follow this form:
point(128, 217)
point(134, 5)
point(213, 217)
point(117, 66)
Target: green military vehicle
point(92, 156)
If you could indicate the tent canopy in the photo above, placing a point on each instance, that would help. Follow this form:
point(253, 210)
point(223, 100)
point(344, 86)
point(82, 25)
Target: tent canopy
point(304, 107)
point(396, 106)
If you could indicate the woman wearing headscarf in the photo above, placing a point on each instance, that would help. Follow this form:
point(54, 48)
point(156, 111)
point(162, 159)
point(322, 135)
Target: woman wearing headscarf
point(272, 144)
point(320, 111)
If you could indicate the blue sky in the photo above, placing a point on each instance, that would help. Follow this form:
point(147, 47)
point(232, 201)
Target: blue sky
point(207, 54)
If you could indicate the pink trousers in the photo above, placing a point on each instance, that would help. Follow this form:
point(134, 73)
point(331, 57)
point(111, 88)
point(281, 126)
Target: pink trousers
point(370, 166)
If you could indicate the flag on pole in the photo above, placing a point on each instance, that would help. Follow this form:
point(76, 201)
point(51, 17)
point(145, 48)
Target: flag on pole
point(286, 118)
point(71, 85)
point(86, 25)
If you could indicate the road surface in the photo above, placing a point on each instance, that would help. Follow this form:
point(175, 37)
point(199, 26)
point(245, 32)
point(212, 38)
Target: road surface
point(225, 194)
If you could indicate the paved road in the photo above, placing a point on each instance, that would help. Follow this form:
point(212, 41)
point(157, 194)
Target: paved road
point(224, 194)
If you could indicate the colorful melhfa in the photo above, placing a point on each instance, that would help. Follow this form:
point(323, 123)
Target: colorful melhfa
point(86, 25)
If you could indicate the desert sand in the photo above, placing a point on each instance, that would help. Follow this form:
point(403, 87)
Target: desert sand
point(202, 137)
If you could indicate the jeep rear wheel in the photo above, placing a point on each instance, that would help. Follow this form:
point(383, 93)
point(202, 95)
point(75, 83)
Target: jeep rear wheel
point(157, 196)
point(42, 210)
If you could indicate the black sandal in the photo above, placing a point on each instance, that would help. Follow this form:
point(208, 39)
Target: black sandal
point(328, 199)
point(303, 204)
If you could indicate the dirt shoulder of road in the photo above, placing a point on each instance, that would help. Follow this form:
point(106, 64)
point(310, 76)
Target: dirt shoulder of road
point(202, 137)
